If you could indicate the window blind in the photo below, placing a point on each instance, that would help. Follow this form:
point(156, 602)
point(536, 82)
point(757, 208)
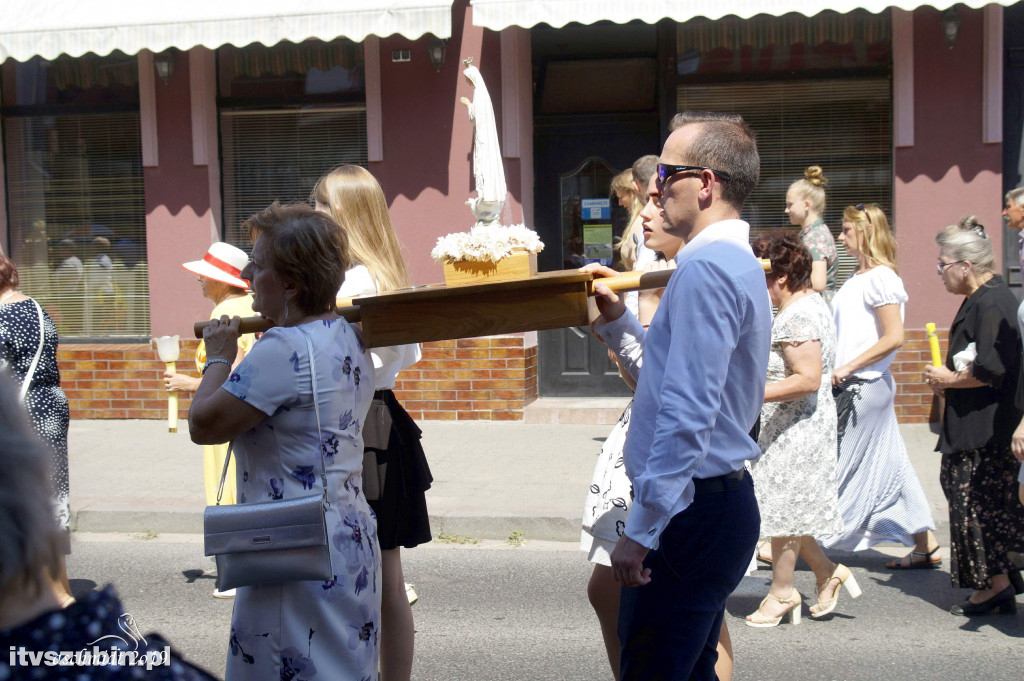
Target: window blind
point(76, 209)
point(279, 154)
point(843, 125)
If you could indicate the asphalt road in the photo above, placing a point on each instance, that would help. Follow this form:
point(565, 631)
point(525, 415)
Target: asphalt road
point(491, 611)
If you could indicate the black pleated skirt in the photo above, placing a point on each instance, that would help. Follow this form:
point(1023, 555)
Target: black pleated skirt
point(402, 509)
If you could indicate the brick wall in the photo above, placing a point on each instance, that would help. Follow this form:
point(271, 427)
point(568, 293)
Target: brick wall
point(913, 396)
point(119, 381)
point(486, 379)
point(475, 378)
point(489, 379)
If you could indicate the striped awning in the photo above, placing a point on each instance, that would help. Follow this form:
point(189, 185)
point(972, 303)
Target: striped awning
point(705, 35)
point(74, 27)
point(500, 14)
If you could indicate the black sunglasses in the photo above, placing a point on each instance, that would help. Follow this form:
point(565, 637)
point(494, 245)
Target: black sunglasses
point(666, 170)
point(864, 209)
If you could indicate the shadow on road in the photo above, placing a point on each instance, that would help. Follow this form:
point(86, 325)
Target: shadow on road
point(192, 575)
point(80, 587)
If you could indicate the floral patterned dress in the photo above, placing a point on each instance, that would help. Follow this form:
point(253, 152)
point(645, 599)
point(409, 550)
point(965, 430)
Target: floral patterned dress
point(795, 478)
point(309, 631)
point(819, 241)
point(609, 498)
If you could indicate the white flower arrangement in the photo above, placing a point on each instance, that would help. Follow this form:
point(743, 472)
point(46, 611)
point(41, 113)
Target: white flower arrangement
point(486, 244)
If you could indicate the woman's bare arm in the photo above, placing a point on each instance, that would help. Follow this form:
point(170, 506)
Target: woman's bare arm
point(804, 358)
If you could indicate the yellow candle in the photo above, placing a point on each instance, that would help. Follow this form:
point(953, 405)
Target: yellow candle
point(933, 344)
point(172, 405)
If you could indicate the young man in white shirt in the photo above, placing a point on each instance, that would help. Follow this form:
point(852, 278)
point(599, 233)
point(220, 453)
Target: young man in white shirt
point(694, 522)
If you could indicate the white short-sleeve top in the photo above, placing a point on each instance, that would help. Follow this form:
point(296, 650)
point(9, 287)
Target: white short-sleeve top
point(387, 361)
point(857, 324)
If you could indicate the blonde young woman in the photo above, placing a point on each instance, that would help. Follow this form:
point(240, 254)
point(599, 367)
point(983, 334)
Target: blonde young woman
point(353, 197)
point(626, 195)
point(805, 205)
point(630, 187)
point(880, 497)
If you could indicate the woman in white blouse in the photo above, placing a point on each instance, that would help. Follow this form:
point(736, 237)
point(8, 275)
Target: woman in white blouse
point(880, 497)
point(353, 197)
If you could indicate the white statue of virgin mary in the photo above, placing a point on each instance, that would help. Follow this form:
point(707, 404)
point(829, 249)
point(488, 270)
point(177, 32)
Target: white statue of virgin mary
point(488, 171)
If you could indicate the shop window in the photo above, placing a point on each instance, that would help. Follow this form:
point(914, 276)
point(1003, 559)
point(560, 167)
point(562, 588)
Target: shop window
point(843, 125)
point(288, 114)
point(74, 191)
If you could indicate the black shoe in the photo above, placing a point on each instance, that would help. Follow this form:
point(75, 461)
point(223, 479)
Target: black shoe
point(1016, 581)
point(1004, 601)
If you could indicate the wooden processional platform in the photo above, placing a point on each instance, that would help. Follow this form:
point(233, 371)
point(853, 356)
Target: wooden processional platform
point(420, 314)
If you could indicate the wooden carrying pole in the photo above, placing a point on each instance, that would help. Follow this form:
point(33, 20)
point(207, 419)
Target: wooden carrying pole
point(549, 300)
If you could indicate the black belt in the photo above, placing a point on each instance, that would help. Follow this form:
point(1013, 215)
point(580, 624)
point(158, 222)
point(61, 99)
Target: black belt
point(721, 483)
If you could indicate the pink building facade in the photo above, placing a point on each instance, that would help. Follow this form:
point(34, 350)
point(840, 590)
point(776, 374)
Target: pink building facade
point(944, 151)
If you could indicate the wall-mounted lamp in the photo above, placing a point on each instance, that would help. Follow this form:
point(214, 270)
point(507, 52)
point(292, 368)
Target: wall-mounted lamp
point(951, 25)
point(164, 64)
point(437, 49)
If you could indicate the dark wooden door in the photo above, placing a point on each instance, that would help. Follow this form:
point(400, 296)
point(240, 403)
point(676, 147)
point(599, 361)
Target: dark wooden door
point(572, 362)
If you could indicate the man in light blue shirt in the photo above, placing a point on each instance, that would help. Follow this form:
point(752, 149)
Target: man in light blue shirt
point(1014, 214)
point(694, 522)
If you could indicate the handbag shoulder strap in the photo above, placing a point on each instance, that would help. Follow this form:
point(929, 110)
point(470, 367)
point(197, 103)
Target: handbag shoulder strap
point(316, 410)
point(39, 351)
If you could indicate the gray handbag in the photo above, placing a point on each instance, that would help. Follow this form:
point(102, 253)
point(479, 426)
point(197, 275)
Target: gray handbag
point(273, 541)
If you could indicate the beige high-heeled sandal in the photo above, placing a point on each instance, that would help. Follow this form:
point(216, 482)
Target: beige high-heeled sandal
point(846, 578)
point(759, 619)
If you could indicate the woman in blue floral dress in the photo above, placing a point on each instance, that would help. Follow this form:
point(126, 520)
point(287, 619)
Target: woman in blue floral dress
point(298, 630)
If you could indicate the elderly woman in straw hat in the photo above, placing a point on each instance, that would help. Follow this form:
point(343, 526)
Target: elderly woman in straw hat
point(218, 273)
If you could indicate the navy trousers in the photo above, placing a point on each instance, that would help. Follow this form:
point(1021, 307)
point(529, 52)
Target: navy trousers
point(668, 629)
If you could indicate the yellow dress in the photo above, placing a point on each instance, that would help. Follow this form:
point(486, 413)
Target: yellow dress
point(213, 455)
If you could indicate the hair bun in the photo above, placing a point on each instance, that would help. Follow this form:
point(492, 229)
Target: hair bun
point(969, 223)
point(816, 176)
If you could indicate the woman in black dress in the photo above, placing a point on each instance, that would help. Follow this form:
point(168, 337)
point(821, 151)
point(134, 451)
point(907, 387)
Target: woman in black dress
point(980, 381)
point(28, 348)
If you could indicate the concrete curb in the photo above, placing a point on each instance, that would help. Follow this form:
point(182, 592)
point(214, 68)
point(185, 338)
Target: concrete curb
point(500, 527)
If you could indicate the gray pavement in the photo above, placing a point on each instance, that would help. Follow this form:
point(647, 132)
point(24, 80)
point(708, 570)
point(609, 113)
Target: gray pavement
point(490, 478)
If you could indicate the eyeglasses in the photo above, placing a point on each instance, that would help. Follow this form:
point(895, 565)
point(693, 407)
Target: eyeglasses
point(941, 267)
point(666, 170)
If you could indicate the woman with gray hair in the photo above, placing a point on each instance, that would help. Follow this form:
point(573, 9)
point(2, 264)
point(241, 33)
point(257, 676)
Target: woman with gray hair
point(980, 381)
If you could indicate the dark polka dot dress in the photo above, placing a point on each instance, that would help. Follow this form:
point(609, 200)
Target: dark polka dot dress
point(98, 620)
point(46, 403)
